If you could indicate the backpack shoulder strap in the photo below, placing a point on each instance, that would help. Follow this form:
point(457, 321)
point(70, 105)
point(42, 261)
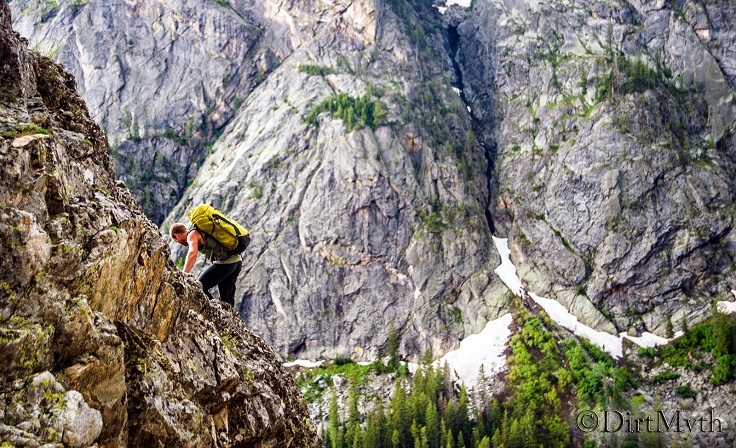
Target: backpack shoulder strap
point(204, 235)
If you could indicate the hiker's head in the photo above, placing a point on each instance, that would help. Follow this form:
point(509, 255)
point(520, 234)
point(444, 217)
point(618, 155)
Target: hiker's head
point(178, 233)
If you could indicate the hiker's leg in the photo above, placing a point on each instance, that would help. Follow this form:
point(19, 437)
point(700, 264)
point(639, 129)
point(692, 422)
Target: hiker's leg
point(211, 277)
point(227, 285)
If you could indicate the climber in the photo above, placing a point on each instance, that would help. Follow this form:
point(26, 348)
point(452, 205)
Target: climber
point(225, 266)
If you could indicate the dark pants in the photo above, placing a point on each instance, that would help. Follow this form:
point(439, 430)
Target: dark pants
point(224, 276)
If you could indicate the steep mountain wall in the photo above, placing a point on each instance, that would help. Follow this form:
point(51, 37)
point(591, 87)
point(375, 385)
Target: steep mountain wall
point(103, 341)
point(162, 78)
point(613, 124)
point(597, 136)
point(358, 228)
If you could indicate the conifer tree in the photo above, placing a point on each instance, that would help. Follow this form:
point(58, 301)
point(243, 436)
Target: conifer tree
point(433, 426)
point(480, 429)
point(443, 433)
point(448, 384)
point(485, 443)
point(350, 122)
point(497, 439)
point(423, 437)
point(450, 421)
point(505, 428)
point(427, 358)
point(419, 398)
point(496, 415)
point(435, 379)
point(399, 418)
point(353, 412)
point(393, 348)
point(415, 435)
point(396, 439)
point(450, 440)
point(353, 432)
point(528, 429)
point(324, 433)
point(669, 330)
point(374, 421)
point(334, 422)
point(516, 436)
point(723, 333)
point(463, 426)
point(379, 115)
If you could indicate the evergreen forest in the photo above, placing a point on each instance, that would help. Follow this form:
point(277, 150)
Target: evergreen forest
point(550, 378)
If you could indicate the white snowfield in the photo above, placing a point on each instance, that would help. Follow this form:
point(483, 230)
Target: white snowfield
point(727, 307)
point(483, 349)
point(304, 363)
point(557, 312)
point(463, 3)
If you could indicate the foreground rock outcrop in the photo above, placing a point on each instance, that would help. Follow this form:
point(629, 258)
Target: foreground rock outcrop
point(103, 340)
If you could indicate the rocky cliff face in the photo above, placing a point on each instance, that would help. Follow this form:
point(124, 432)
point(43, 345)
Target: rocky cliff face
point(597, 136)
point(161, 78)
point(613, 125)
point(364, 224)
point(103, 341)
point(610, 158)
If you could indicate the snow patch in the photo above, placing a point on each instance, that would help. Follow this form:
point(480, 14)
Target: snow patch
point(463, 3)
point(506, 270)
point(483, 349)
point(304, 363)
point(559, 314)
point(612, 344)
point(727, 307)
point(650, 339)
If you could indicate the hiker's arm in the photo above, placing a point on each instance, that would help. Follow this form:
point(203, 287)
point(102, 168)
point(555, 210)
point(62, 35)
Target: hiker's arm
point(193, 245)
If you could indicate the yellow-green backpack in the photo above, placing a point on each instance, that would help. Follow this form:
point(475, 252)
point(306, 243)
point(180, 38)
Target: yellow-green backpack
point(226, 231)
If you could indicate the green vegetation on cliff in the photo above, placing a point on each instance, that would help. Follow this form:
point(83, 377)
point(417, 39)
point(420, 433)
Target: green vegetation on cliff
point(354, 112)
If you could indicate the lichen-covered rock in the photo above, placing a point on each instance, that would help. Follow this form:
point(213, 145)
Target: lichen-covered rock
point(103, 341)
point(42, 411)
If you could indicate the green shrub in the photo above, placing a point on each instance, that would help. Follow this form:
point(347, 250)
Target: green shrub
point(315, 70)
point(667, 375)
point(355, 112)
point(685, 391)
point(341, 361)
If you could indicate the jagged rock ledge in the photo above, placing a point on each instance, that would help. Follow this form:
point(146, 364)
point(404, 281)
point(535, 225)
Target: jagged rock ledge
point(103, 341)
